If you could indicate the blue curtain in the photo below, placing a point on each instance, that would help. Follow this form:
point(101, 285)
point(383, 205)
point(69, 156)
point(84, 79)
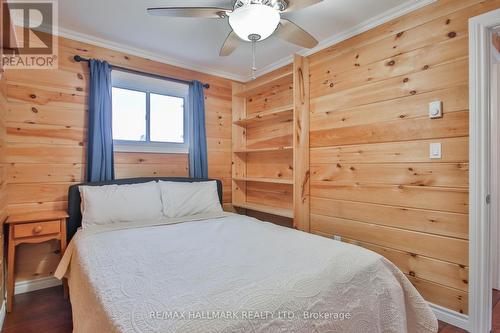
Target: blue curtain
point(100, 164)
point(198, 164)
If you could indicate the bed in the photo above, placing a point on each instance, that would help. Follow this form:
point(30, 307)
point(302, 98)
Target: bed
point(223, 272)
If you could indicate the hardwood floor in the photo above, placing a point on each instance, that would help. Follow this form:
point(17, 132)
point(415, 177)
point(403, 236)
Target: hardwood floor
point(447, 328)
point(40, 311)
point(47, 311)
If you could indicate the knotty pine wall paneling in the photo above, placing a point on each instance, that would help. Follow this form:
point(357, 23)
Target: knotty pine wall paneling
point(301, 197)
point(372, 181)
point(46, 134)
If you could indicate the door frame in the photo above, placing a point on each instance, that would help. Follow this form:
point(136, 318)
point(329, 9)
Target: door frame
point(495, 175)
point(480, 28)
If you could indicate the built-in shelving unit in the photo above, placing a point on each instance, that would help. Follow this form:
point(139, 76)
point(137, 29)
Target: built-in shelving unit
point(271, 144)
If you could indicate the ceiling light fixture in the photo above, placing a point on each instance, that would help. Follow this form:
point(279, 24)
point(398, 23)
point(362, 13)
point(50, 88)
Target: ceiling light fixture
point(251, 21)
point(254, 19)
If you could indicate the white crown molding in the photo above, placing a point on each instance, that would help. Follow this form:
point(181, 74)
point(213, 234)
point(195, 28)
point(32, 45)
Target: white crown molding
point(371, 23)
point(85, 38)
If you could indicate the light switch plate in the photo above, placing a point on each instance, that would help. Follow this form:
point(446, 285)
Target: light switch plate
point(435, 109)
point(435, 150)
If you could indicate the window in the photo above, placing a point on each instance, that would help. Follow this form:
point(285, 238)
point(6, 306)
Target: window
point(149, 114)
point(167, 118)
point(129, 115)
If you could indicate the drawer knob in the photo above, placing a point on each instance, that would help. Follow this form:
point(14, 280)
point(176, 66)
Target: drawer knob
point(37, 229)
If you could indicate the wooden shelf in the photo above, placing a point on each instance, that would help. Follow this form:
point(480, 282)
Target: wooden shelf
point(260, 150)
point(265, 180)
point(266, 209)
point(253, 89)
point(284, 111)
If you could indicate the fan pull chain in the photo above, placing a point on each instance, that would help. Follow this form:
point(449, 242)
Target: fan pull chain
point(254, 65)
point(254, 38)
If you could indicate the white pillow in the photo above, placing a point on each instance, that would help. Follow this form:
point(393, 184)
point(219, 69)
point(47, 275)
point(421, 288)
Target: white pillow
point(185, 199)
point(120, 203)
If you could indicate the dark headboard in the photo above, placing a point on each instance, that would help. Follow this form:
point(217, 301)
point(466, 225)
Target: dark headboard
point(74, 200)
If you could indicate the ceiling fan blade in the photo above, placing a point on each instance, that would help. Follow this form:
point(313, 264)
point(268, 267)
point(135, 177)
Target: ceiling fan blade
point(230, 44)
point(198, 12)
point(229, 4)
point(292, 33)
point(294, 5)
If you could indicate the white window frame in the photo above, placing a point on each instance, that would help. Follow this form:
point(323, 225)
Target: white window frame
point(151, 85)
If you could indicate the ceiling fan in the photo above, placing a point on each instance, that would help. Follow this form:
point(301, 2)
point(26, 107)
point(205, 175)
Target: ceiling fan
point(250, 20)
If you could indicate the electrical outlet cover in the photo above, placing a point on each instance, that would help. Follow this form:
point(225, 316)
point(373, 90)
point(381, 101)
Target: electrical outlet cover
point(435, 150)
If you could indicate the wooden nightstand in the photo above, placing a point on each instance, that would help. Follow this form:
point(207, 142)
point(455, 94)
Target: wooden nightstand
point(32, 228)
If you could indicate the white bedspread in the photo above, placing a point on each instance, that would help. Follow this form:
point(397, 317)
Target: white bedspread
point(234, 274)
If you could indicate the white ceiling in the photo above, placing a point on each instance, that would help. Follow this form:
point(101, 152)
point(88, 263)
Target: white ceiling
point(195, 43)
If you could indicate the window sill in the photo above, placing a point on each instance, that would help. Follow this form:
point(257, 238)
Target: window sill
point(150, 148)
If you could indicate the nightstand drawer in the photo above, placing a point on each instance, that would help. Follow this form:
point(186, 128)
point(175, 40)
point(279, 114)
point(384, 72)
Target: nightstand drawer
point(37, 229)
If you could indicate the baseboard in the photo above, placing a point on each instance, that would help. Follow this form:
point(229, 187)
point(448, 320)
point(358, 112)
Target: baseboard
point(450, 317)
point(37, 284)
point(3, 312)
